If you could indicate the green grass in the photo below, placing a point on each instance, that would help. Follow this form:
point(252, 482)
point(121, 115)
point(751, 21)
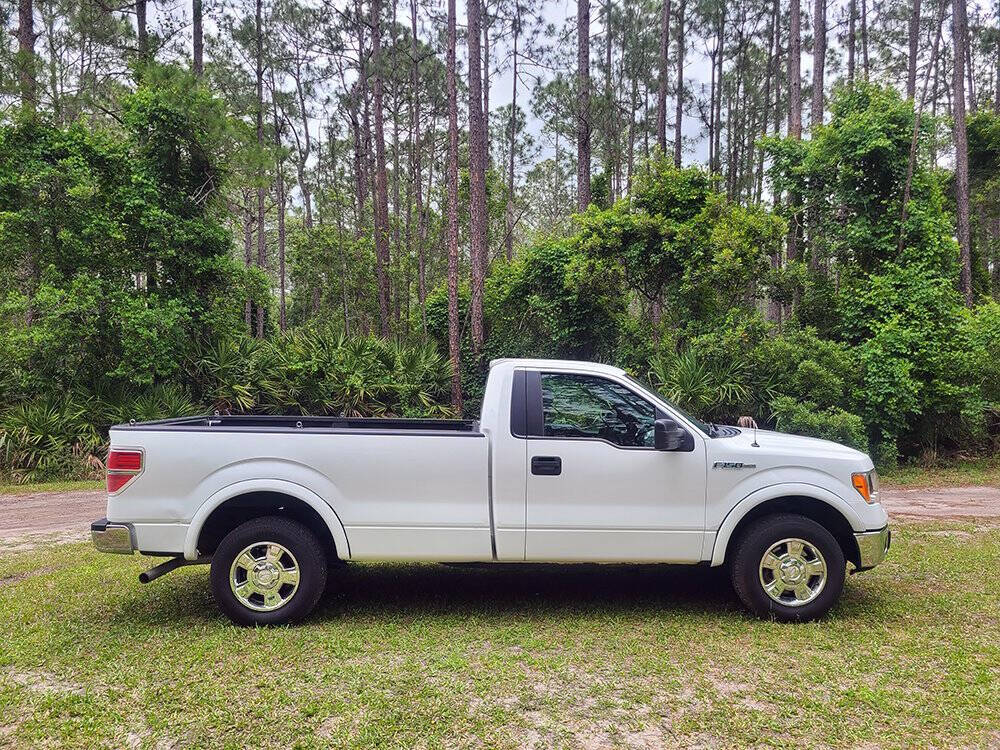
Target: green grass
point(978, 471)
point(401, 656)
point(66, 485)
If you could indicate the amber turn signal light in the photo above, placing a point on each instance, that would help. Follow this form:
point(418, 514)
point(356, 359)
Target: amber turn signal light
point(860, 482)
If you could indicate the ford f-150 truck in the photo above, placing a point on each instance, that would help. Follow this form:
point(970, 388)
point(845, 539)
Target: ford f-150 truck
point(569, 462)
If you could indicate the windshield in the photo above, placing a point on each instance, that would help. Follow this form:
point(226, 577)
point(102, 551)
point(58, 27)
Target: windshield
point(703, 426)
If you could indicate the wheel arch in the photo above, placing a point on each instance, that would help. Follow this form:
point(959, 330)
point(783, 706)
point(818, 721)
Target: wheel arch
point(241, 501)
point(815, 503)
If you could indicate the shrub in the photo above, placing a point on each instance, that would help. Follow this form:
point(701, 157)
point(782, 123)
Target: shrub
point(48, 438)
point(322, 372)
point(695, 386)
point(833, 423)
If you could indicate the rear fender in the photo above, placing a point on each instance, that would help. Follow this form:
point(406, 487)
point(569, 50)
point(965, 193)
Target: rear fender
point(297, 491)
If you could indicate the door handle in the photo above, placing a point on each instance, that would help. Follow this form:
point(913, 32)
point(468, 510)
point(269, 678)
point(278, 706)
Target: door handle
point(546, 465)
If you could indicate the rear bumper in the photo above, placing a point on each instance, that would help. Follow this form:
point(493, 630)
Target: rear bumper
point(111, 537)
point(873, 547)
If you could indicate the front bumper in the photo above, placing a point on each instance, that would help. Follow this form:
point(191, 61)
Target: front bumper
point(112, 537)
point(873, 546)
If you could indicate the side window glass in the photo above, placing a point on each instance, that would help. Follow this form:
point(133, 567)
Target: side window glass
point(592, 407)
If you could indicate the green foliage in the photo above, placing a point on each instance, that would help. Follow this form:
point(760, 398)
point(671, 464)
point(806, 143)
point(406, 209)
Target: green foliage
point(690, 382)
point(322, 372)
point(678, 243)
point(895, 302)
point(548, 303)
point(984, 183)
point(302, 372)
point(330, 270)
point(47, 438)
point(806, 418)
point(114, 257)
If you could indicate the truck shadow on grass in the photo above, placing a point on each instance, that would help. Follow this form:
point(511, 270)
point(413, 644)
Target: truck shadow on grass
point(523, 588)
point(408, 590)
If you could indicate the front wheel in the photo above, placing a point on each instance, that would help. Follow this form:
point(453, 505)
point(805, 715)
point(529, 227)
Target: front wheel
point(268, 571)
point(788, 567)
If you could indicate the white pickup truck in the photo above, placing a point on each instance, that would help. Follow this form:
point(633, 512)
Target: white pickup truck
point(569, 462)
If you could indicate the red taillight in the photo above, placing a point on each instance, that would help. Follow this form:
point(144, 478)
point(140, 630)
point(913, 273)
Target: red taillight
point(124, 461)
point(117, 481)
point(123, 467)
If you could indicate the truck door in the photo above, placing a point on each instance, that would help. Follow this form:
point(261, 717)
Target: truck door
point(596, 487)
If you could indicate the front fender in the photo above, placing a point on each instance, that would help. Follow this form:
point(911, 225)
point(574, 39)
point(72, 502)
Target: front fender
point(773, 492)
point(285, 487)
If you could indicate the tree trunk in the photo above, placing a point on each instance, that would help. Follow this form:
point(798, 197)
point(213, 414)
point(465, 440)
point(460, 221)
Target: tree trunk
point(815, 120)
point(197, 38)
point(305, 150)
point(961, 39)
point(248, 256)
point(720, 61)
point(852, 15)
point(679, 108)
point(360, 134)
point(398, 259)
point(819, 63)
point(509, 212)
point(56, 63)
point(415, 154)
point(914, 38)
point(453, 322)
point(631, 133)
point(915, 137)
point(934, 104)
point(366, 130)
point(261, 247)
point(142, 31)
point(770, 76)
point(609, 101)
point(381, 189)
point(485, 23)
point(794, 115)
point(970, 72)
point(996, 106)
point(477, 176)
point(26, 55)
point(583, 104)
point(661, 94)
point(279, 188)
point(864, 39)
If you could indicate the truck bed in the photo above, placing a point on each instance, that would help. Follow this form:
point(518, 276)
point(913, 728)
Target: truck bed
point(267, 423)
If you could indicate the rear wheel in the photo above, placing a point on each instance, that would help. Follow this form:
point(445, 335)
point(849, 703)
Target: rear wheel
point(788, 567)
point(268, 571)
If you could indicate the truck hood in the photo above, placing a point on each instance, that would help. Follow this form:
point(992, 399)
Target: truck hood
point(795, 448)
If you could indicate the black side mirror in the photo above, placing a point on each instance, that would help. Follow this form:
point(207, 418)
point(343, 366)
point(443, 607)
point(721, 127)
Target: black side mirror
point(667, 435)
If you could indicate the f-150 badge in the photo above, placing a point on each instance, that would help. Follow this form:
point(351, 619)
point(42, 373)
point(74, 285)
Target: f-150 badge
point(733, 465)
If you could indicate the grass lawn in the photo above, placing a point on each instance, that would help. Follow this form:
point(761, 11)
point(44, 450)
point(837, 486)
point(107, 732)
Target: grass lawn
point(67, 485)
point(534, 656)
point(976, 471)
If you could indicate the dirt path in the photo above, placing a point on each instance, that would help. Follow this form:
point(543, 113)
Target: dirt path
point(931, 503)
point(68, 514)
point(60, 516)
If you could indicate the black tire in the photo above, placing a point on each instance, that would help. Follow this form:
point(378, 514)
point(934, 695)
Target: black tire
point(757, 539)
point(309, 559)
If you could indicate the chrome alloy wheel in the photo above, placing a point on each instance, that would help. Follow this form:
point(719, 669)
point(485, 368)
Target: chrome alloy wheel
point(264, 576)
point(793, 572)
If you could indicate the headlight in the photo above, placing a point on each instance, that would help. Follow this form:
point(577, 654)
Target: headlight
point(866, 483)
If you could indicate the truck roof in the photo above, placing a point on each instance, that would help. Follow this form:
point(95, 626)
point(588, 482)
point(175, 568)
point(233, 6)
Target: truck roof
point(560, 364)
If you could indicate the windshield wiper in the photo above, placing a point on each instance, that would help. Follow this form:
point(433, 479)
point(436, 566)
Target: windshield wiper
point(713, 429)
